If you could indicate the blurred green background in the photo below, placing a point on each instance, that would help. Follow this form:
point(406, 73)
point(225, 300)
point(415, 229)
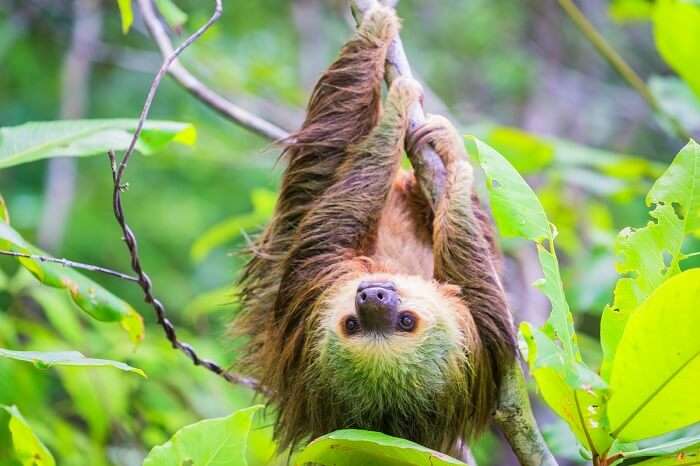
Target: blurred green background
point(587, 142)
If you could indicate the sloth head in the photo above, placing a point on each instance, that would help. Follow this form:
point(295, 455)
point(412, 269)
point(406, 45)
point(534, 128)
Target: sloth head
point(390, 343)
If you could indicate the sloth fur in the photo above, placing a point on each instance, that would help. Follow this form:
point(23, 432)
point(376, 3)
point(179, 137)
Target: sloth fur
point(347, 213)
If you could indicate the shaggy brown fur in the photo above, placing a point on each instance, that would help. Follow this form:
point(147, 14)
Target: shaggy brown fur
point(347, 212)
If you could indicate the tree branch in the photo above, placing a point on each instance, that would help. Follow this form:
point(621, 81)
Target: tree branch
point(71, 264)
point(144, 280)
point(195, 87)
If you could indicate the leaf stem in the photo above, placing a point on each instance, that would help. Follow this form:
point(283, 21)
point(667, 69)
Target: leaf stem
point(620, 65)
point(583, 426)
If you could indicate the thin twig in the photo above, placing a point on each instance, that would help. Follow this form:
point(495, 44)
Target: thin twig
point(71, 264)
point(620, 65)
point(144, 280)
point(195, 87)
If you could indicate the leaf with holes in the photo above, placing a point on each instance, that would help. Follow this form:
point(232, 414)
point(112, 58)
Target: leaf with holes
point(88, 295)
point(656, 371)
point(351, 447)
point(79, 138)
point(45, 360)
point(28, 448)
point(220, 442)
point(650, 255)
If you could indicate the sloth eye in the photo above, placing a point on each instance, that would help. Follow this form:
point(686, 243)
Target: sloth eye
point(352, 325)
point(407, 322)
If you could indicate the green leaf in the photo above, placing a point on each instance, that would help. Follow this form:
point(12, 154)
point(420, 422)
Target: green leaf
point(28, 448)
point(519, 213)
point(665, 448)
point(45, 360)
point(656, 371)
point(677, 37)
point(79, 138)
point(263, 206)
point(516, 209)
point(689, 457)
point(631, 10)
point(650, 255)
point(354, 447)
point(526, 152)
point(126, 13)
point(677, 99)
point(575, 401)
point(88, 295)
point(172, 14)
point(220, 442)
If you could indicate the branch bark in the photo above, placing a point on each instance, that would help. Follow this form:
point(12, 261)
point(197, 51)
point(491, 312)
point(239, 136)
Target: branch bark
point(197, 89)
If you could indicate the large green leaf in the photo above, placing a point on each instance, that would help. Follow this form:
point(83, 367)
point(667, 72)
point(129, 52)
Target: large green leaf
point(78, 138)
point(88, 295)
point(45, 360)
point(354, 447)
point(526, 152)
point(28, 448)
point(220, 442)
point(656, 371)
point(677, 37)
point(650, 255)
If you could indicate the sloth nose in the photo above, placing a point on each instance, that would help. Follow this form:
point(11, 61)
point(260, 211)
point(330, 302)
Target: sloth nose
point(377, 304)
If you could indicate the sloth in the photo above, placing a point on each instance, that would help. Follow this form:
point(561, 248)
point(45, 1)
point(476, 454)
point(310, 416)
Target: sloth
point(364, 304)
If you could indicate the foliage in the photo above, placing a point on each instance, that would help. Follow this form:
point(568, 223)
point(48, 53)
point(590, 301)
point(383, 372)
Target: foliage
point(628, 396)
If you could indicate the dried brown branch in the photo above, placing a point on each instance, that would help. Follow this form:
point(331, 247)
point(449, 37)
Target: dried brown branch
point(195, 87)
point(71, 264)
point(144, 281)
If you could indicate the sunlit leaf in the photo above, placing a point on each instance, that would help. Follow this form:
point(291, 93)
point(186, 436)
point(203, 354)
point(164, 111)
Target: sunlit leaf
point(126, 13)
point(656, 371)
point(79, 138)
point(631, 10)
point(651, 254)
point(88, 295)
point(28, 448)
point(45, 360)
point(220, 442)
point(354, 447)
point(677, 37)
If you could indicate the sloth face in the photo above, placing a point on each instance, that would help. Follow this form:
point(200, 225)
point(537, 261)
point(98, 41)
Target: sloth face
point(399, 338)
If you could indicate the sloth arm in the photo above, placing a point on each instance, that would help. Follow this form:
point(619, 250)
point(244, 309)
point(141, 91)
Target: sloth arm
point(464, 255)
point(343, 223)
